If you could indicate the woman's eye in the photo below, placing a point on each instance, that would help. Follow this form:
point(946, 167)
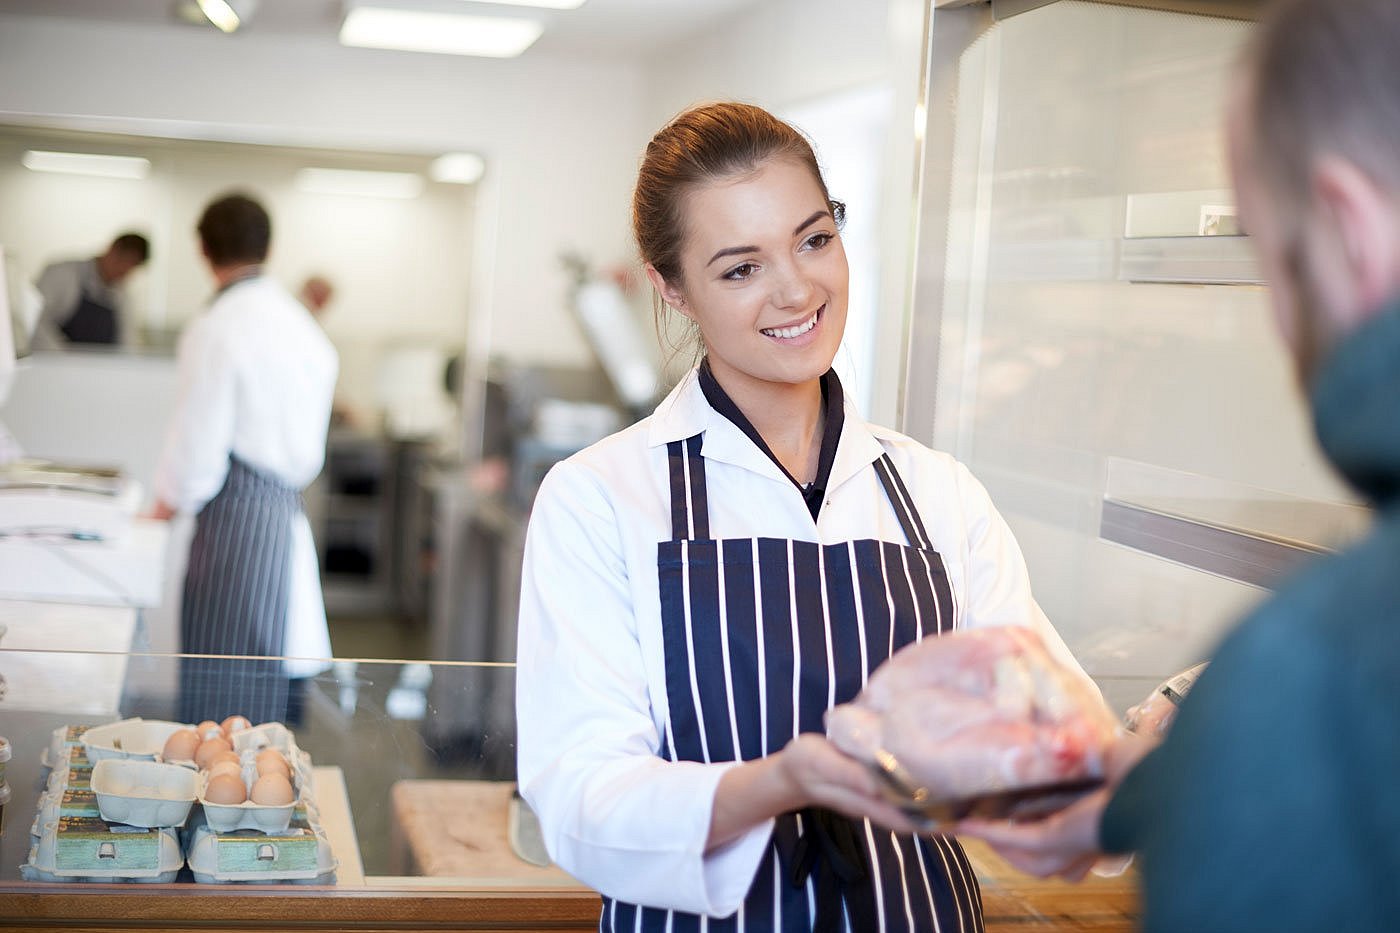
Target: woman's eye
point(740, 272)
point(817, 241)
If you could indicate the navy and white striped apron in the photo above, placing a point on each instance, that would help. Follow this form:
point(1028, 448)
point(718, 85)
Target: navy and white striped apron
point(237, 588)
point(762, 636)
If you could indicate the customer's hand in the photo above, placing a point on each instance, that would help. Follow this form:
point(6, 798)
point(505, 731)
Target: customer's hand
point(1065, 844)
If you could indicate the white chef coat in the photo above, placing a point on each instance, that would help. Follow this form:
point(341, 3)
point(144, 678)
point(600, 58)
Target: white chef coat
point(256, 379)
point(590, 678)
point(62, 285)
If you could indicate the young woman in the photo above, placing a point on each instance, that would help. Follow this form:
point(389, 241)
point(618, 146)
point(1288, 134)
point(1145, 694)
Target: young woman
point(700, 588)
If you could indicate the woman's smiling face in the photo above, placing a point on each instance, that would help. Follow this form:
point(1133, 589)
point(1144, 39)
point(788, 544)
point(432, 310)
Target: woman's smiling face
point(763, 275)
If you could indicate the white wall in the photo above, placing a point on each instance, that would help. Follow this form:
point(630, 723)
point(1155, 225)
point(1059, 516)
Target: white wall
point(561, 136)
point(786, 55)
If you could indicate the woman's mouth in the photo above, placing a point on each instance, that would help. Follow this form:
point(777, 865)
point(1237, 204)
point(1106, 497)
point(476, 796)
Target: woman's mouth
point(795, 330)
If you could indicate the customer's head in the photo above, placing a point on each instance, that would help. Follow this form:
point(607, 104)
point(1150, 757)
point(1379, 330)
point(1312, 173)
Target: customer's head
point(124, 254)
point(739, 234)
point(234, 230)
point(1315, 151)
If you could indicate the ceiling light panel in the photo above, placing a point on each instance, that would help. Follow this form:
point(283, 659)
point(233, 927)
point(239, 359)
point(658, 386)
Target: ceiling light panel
point(457, 168)
point(403, 186)
point(538, 4)
point(85, 163)
point(447, 33)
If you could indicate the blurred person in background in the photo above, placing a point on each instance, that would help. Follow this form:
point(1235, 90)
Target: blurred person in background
point(83, 303)
point(256, 376)
point(316, 293)
point(1272, 804)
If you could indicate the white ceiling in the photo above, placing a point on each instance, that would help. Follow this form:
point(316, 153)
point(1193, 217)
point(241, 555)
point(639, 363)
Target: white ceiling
point(621, 28)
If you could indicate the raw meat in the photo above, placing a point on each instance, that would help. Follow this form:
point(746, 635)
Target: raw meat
point(972, 714)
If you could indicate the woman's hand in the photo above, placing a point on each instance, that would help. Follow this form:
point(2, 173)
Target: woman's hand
point(822, 775)
point(809, 771)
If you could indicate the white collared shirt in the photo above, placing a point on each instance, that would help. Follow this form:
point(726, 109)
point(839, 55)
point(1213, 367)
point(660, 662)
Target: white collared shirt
point(256, 379)
point(590, 678)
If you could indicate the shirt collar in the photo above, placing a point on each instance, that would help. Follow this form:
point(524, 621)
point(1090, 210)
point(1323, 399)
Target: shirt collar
point(685, 412)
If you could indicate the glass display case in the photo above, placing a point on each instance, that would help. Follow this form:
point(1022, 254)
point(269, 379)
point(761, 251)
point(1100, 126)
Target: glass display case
point(398, 817)
point(404, 815)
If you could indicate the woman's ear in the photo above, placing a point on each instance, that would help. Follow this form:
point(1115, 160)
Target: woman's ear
point(668, 292)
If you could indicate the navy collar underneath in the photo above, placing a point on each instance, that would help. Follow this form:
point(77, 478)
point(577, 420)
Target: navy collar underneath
point(814, 494)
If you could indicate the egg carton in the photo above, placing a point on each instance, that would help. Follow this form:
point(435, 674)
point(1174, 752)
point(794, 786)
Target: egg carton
point(272, 735)
point(67, 803)
point(90, 850)
point(144, 793)
point(75, 775)
point(61, 741)
point(231, 817)
point(301, 854)
point(129, 738)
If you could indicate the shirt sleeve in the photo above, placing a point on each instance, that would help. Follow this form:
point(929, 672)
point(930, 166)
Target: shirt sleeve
point(613, 813)
point(194, 460)
point(999, 591)
point(58, 286)
point(1271, 804)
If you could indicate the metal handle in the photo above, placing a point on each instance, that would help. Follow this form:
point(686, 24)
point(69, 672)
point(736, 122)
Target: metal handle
point(107, 850)
point(267, 852)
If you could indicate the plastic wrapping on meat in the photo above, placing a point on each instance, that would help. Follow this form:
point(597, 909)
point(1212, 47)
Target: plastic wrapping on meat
point(1153, 717)
point(976, 713)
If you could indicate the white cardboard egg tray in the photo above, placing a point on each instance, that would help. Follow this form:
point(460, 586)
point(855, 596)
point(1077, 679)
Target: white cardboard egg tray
point(301, 855)
point(145, 793)
point(129, 738)
point(227, 818)
point(157, 858)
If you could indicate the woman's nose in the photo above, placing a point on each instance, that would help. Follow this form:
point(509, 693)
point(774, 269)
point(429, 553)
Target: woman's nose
point(794, 288)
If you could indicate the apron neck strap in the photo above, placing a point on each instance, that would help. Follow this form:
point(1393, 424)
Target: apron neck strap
point(690, 508)
point(902, 503)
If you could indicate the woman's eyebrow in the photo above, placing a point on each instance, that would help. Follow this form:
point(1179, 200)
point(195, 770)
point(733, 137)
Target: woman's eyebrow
point(809, 221)
point(736, 250)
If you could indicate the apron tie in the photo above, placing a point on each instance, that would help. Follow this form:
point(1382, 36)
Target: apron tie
point(827, 847)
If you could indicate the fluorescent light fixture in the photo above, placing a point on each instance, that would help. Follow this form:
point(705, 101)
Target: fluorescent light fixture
point(403, 186)
point(85, 163)
point(458, 168)
point(450, 33)
point(540, 4)
point(220, 14)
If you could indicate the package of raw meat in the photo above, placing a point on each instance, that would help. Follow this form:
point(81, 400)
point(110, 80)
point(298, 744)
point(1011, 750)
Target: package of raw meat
point(1153, 717)
point(983, 723)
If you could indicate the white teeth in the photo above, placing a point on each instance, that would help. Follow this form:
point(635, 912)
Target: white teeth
point(797, 330)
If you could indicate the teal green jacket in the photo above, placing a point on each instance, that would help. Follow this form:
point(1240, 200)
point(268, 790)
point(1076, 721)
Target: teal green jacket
point(1274, 804)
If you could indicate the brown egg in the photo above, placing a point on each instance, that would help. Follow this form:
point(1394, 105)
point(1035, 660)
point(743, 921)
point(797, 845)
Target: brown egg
point(208, 729)
point(224, 756)
point(272, 790)
point(225, 766)
point(235, 724)
point(225, 789)
point(204, 755)
point(181, 745)
point(270, 761)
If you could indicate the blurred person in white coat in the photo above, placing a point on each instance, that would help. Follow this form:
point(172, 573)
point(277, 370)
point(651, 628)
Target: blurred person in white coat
point(256, 378)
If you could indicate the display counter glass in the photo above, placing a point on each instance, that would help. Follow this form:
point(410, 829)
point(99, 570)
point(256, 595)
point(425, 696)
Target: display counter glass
point(404, 806)
point(403, 779)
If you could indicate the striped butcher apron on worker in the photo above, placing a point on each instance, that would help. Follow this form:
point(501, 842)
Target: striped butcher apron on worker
point(762, 636)
point(237, 589)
